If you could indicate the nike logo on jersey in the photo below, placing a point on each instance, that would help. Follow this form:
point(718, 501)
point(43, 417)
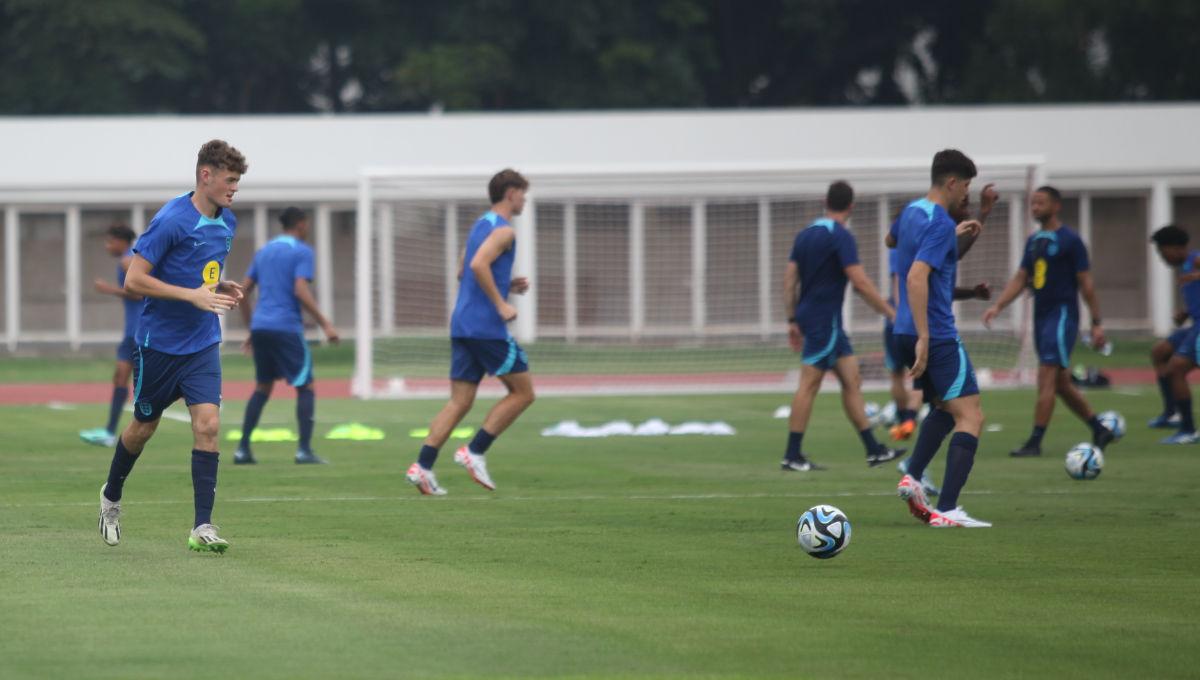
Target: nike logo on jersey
point(197, 244)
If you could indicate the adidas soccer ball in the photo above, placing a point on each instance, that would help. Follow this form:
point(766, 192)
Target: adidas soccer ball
point(823, 531)
point(1085, 461)
point(888, 415)
point(871, 411)
point(1113, 421)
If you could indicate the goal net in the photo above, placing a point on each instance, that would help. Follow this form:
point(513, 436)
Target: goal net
point(655, 280)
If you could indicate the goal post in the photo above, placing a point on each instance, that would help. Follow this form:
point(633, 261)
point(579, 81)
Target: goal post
point(654, 279)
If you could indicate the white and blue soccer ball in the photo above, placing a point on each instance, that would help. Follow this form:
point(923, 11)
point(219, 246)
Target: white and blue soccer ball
point(872, 412)
point(1085, 461)
point(823, 531)
point(888, 415)
point(1113, 421)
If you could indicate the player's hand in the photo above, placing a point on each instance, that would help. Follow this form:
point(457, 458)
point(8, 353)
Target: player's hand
point(331, 334)
point(983, 292)
point(1098, 339)
point(208, 299)
point(922, 352)
point(987, 199)
point(100, 285)
point(1181, 317)
point(795, 337)
point(232, 289)
point(989, 315)
point(248, 347)
point(507, 312)
point(891, 314)
point(969, 227)
point(520, 285)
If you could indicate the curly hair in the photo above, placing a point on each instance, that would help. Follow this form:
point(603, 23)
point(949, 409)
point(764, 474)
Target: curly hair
point(219, 154)
point(503, 181)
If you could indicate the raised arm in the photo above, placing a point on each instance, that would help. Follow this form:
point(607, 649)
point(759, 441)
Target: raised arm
point(496, 243)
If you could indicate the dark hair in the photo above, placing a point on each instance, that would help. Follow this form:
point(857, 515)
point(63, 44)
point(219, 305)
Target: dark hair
point(121, 233)
point(951, 163)
point(503, 181)
point(292, 216)
point(1049, 191)
point(218, 154)
point(840, 196)
point(1170, 235)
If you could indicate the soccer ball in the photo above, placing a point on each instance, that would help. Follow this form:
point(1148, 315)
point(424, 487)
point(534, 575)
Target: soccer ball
point(1085, 461)
point(871, 411)
point(1113, 421)
point(888, 415)
point(823, 531)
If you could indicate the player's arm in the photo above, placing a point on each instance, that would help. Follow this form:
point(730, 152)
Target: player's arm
point(791, 296)
point(103, 286)
point(967, 233)
point(918, 303)
point(1011, 291)
point(1087, 288)
point(866, 290)
point(499, 241)
point(247, 308)
point(987, 201)
point(139, 282)
point(981, 291)
point(1181, 317)
point(305, 297)
point(890, 241)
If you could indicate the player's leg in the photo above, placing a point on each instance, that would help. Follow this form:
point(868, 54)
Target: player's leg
point(1160, 356)
point(1177, 369)
point(846, 369)
point(200, 386)
point(1074, 399)
point(907, 401)
point(299, 372)
point(122, 371)
point(503, 414)
point(465, 373)
point(794, 459)
point(254, 408)
point(960, 458)
point(1043, 410)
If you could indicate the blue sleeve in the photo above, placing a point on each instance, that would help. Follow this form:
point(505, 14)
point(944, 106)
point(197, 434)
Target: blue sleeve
point(795, 256)
point(894, 230)
point(1079, 256)
point(847, 249)
point(304, 265)
point(160, 237)
point(937, 244)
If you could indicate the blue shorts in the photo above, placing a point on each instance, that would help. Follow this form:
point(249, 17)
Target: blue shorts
point(1189, 345)
point(891, 353)
point(1054, 337)
point(1177, 338)
point(824, 342)
point(470, 358)
point(281, 354)
point(126, 349)
point(948, 372)
point(159, 379)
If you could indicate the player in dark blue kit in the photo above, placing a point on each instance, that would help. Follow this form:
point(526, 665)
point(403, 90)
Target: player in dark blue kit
point(479, 339)
point(1172, 244)
point(824, 258)
point(927, 240)
point(177, 269)
point(1055, 266)
point(281, 271)
point(119, 243)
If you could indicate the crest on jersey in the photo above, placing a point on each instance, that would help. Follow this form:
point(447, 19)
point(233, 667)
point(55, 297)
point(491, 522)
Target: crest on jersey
point(228, 243)
point(145, 408)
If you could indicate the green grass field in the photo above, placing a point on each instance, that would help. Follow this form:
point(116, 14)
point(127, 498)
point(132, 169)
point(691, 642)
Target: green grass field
point(646, 557)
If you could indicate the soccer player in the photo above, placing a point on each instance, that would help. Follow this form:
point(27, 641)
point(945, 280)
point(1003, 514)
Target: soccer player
point(927, 239)
point(1055, 266)
point(824, 257)
point(119, 244)
point(281, 271)
point(1172, 245)
point(1171, 242)
point(177, 267)
point(479, 339)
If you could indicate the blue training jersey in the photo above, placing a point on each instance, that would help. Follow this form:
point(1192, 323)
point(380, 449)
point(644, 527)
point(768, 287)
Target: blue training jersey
point(275, 269)
point(1053, 261)
point(1191, 290)
point(474, 314)
point(822, 251)
point(893, 269)
point(133, 308)
point(186, 249)
point(925, 232)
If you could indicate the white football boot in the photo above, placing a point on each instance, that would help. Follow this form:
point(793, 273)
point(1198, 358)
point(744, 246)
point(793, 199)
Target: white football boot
point(110, 519)
point(204, 538)
point(424, 480)
point(956, 518)
point(476, 466)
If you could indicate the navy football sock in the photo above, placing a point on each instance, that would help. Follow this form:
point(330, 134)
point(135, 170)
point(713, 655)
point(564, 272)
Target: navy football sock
point(868, 439)
point(1168, 399)
point(937, 425)
point(119, 395)
point(1184, 408)
point(1035, 439)
point(792, 452)
point(959, 460)
point(427, 457)
point(1095, 424)
point(204, 484)
point(306, 404)
point(482, 441)
point(905, 415)
point(122, 464)
point(254, 409)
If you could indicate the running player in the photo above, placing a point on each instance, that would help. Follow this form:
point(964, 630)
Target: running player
point(479, 339)
point(281, 271)
point(1172, 245)
point(824, 257)
point(177, 268)
point(1056, 266)
point(118, 242)
point(1171, 242)
point(927, 239)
